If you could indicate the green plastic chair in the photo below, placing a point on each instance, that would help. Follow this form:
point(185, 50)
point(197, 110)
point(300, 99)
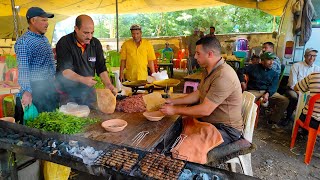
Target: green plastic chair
point(167, 56)
point(113, 58)
point(111, 74)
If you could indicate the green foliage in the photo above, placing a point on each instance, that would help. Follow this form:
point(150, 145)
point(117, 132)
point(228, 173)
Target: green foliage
point(101, 30)
point(226, 19)
point(59, 122)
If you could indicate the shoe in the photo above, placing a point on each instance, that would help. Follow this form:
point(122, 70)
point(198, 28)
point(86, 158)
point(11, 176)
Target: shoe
point(275, 126)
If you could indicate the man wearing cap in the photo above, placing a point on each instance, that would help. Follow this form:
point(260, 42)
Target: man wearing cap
point(79, 58)
point(299, 71)
point(269, 47)
point(136, 55)
point(35, 65)
point(191, 43)
point(263, 83)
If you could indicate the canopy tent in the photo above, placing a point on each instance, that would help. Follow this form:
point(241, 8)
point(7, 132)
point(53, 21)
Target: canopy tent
point(65, 8)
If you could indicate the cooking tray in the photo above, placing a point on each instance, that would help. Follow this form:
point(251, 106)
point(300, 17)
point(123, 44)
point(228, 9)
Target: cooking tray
point(135, 83)
point(167, 82)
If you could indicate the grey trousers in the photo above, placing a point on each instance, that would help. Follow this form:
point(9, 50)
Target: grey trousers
point(280, 102)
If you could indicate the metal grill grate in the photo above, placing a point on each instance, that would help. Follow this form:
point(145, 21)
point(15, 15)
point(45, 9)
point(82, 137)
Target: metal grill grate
point(119, 159)
point(159, 166)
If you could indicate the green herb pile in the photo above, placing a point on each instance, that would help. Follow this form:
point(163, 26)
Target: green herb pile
point(59, 122)
point(99, 84)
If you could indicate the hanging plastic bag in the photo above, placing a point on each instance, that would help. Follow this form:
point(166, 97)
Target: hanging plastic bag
point(53, 171)
point(30, 112)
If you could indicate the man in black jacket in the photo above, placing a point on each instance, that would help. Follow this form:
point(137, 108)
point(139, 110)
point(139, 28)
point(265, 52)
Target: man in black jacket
point(79, 57)
point(263, 83)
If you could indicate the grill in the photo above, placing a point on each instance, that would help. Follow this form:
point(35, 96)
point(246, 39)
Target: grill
point(118, 159)
point(159, 166)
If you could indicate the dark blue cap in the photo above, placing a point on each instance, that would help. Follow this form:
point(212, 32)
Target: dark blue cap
point(36, 11)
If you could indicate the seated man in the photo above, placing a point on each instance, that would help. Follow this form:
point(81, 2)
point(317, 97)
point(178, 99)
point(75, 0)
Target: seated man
point(167, 48)
point(310, 83)
point(254, 59)
point(218, 98)
point(299, 71)
point(269, 47)
point(263, 83)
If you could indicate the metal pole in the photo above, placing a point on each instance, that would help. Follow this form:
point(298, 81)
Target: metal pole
point(117, 25)
point(15, 19)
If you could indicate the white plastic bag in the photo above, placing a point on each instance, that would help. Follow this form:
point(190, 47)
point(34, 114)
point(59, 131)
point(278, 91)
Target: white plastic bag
point(160, 75)
point(74, 109)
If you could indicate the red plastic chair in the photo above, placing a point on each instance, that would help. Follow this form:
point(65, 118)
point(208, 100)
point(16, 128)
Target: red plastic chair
point(12, 75)
point(313, 133)
point(181, 54)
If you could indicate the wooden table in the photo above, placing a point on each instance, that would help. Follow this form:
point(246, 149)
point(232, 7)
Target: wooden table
point(8, 90)
point(164, 130)
point(196, 77)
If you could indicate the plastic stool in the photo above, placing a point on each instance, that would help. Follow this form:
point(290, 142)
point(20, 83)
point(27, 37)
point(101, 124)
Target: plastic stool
point(190, 84)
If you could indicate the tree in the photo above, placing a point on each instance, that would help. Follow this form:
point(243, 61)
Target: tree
point(226, 19)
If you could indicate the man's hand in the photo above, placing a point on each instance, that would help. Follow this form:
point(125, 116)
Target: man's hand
point(243, 86)
point(26, 99)
point(112, 89)
point(88, 81)
point(168, 110)
point(169, 102)
point(121, 77)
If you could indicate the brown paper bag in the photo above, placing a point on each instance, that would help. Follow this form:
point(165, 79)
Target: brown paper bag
point(106, 101)
point(153, 101)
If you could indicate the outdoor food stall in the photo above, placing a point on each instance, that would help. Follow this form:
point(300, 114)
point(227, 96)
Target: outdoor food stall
point(130, 143)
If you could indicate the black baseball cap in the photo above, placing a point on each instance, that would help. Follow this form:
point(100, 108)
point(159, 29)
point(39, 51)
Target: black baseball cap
point(36, 11)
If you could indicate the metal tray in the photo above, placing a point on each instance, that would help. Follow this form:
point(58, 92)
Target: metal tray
point(167, 82)
point(135, 83)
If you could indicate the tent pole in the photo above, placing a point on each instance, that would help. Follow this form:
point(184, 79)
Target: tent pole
point(15, 19)
point(117, 25)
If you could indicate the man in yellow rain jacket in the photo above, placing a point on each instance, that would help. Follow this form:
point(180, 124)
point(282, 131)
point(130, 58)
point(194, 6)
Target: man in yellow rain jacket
point(136, 55)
